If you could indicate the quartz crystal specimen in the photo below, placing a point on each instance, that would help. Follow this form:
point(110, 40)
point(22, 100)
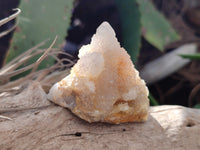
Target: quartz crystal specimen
point(103, 86)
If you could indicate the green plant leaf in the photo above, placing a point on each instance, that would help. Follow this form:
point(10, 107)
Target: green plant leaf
point(153, 101)
point(193, 56)
point(155, 28)
point(131, 26)
point(40, 20)
point(197, 106)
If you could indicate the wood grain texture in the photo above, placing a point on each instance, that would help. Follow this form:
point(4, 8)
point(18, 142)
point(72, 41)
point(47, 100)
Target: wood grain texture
point(52, 127)
point(29, 95)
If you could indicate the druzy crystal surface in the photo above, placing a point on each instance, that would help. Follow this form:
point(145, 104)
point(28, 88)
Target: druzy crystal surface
point(103, 86)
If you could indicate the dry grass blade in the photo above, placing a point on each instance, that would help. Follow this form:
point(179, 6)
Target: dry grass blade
point(8, 31)
point(5, 20)
point(27, 53)
point(41, 76)
point(9, 70)
point(6, 75)
point(4, 117)
point(61, 61)
point(16, 72)
point(63, 53)
point(10, 85)
point(19, 63)
point(43, 56)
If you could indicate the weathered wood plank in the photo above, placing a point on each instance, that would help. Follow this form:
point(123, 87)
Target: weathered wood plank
point(52, 127)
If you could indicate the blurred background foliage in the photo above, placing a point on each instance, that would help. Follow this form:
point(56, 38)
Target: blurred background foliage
point(146, 28)
point(141, 15)
point(36, 23)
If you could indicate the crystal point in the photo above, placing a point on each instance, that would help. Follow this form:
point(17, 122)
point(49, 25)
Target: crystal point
point(103, 85)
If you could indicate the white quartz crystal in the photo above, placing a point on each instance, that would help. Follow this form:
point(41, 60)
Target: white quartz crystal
point(103, 85)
